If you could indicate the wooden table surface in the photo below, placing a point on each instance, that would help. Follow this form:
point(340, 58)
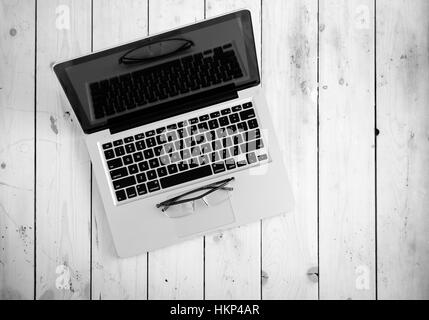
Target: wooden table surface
point(333, 71)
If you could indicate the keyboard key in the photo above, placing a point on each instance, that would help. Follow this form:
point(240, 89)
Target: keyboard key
point(234, 118)
point(118, 142)
point(129, 139)
point(148, 154)
point(203, 160)
point(153, 186)
point(119, 151)
point(224, 154)
point(120, 195)
point(175, 157)
point(172, 126)
point(143, 166)
point(141, 189)
point(235, 151)
point(164, 160)
point(182, 124)
point(204, 117)
point(242, 126)
point(133, 169)
point(237, 139)
point(124, 182)
point(150, 133)
point(158, 150)
point(215, 114)
point(128, 159)
point(213, 124)
point(230, 164)
point(253, 123)
point(186, 154)
point(141, 177)
point(109, 154)
point(217, 145)
point(218, 167)
point(161, 130)
point(118, 173)
point(203, 126)
point(138, 156)
point(262, 157)
point(247, 105)
point(251, 158)
point(140, 145)
point(182, 166)
point(171, 136)
point(223, 121)
point(154, 163)
point(150, 142)
point(115, 163)
point(193, 163)
point(227, 142)
point(241, 163)
point(151, 175)
point(131, 192)
point(214, 156)
point(193, 120)
point(162, 172)
point(161, 139)
point(172, 169)
point(107, 145)
point(130, 148)
point(139, 136)
point(206, 148)
point(225, 111)
point(236, 108)
point(247, 114)
point(186, 176)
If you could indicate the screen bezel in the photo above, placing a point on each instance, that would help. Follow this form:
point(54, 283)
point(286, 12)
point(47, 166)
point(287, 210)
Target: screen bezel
point(66, 84)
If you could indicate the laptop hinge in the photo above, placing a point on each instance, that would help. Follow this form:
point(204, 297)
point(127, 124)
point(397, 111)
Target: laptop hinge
point(174, 108)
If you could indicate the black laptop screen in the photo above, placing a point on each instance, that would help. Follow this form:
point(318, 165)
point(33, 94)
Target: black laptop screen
point(148, 76)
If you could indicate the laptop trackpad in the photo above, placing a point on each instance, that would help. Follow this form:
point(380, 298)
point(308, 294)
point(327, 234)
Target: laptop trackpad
point(204, 217)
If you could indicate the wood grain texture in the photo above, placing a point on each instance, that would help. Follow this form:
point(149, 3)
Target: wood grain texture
point(232, 257)
point(346, 158)
point(289, 77)
point(403, 149)
point(112, 277)
point(176, 272)
point(17, 49)
point(63, 167)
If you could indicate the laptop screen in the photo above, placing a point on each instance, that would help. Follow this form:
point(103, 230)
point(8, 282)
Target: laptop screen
point(161, 72)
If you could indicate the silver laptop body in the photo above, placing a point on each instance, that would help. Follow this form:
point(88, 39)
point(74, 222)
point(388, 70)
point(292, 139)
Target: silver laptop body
point(179, 133)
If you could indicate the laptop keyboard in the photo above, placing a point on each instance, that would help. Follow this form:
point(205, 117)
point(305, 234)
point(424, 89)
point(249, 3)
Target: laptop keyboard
point(168, 80)
point(199, 147)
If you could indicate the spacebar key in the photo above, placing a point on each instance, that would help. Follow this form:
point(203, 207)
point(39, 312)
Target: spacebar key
point(186, 176)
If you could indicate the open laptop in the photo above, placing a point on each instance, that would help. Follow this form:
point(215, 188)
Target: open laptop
point(179, 133)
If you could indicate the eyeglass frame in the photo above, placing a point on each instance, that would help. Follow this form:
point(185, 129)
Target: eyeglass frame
point(128, 61)
point(215, 186)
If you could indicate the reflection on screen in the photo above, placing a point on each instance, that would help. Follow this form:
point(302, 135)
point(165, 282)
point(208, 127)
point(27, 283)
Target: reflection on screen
point(179, 64)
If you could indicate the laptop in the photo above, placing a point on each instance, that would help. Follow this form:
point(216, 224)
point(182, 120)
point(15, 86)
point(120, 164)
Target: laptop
point(179, 133)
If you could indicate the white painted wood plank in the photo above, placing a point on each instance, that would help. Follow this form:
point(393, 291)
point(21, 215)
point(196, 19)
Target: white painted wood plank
point(403, 149)
point(114, 278)
point(346, 137)
point(63, 166)
point(17, 48)
point(289, 242)
point(176, 272)
point(232, 257)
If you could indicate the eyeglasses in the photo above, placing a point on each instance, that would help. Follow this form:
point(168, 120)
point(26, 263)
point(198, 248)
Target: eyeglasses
point(185, 204)
point(155, 50)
